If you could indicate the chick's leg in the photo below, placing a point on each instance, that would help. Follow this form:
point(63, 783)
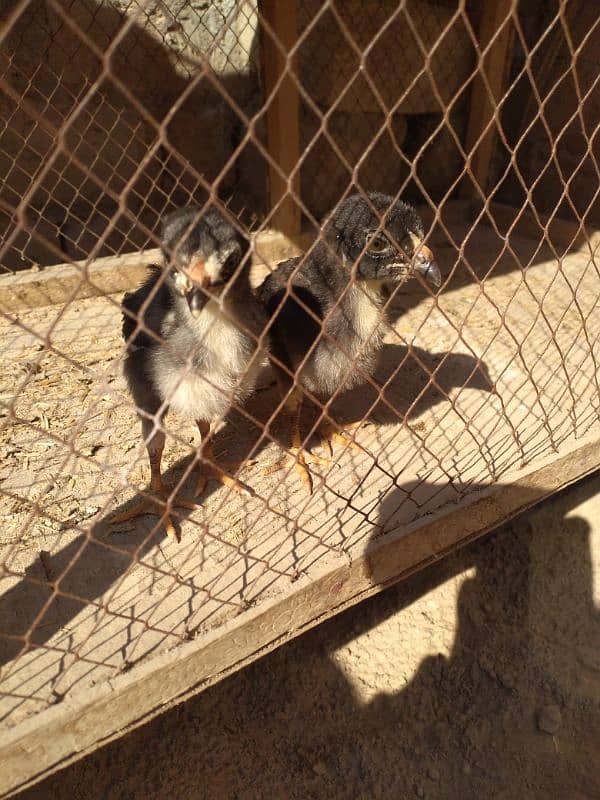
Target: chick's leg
point(328, 432)
point(209, 470)
point(160, 494)
point(294, 404)
point(293, 410)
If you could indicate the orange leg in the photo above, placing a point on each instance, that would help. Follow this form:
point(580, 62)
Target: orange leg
point(293, 409)
point(162, 494)
point(210, 471)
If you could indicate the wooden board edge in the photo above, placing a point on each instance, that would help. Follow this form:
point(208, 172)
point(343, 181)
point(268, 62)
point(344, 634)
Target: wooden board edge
point(63, 283)
point(40, 745)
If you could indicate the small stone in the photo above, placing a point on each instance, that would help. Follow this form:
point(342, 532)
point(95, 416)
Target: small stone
point(507, 679)
point(320, 768)
point(91, 451)
point(549, 719)
point(433, 773)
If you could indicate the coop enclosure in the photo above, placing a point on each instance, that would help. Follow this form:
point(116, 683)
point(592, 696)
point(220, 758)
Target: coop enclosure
point(484, 115)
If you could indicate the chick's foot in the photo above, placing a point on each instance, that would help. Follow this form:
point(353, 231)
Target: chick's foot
point(328, 432)
point(159, 502)
point(212, 472)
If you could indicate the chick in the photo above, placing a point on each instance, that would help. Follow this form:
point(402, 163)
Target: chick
point(191, 337)
point(330, 326)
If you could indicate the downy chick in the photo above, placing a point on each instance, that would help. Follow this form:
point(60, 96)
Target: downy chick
point(340, 281)
point(191, 337)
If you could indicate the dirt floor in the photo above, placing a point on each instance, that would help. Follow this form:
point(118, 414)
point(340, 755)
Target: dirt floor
point(478, 677)
point(482, 381)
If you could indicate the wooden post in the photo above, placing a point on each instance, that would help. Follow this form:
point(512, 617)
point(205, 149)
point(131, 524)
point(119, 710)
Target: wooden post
point(495, 66)
point(283, 127)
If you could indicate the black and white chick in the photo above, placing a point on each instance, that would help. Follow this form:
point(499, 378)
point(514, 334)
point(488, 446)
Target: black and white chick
point(365, 244)
point(191, 336)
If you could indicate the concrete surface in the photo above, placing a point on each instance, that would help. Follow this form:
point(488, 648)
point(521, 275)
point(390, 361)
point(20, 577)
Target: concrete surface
point(479, 677)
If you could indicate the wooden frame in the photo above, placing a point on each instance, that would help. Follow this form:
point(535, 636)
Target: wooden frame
point(495, 68)
point(283, 124)
point(81, 724)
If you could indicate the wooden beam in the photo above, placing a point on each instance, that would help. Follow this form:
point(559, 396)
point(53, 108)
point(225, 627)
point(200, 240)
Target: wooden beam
point(283, 126)
point(40, 745)
point(60, 283)
point(495, 66)
point(64, 282)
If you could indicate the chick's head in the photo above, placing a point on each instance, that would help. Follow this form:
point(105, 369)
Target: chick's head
point(205, 252)
point(382, 240)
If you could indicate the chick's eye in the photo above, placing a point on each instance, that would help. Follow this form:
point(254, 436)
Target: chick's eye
point(378, 244)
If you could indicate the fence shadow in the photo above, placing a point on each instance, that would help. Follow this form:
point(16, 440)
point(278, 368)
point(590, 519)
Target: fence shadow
point(293, 724)
point(92, 562)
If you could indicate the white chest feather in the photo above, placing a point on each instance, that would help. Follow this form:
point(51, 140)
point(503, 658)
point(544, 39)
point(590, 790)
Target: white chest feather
point(200, 375)
point(343, 360)
point(365, 307)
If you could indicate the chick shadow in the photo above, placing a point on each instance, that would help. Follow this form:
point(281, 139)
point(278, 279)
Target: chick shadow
point(293, 725)
point(408, 381)
point(58, 586)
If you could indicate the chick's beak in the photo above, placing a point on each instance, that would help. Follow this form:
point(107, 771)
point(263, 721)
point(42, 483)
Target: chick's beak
point(196, 301)
point(426, 266)
point(196, 271)
point(197, 297)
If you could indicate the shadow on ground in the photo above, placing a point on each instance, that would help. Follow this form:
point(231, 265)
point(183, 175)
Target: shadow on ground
point(466, 724)
point(93, 561)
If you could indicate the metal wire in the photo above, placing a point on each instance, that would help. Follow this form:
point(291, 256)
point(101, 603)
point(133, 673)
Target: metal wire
point(115, 112)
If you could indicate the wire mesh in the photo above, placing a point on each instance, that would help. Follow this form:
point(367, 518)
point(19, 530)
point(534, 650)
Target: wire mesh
point(116, 113)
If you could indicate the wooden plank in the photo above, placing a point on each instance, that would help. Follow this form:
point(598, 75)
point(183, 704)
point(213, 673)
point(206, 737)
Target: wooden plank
point(495, 66)
point(60, 283)
point(283, 127)
point(64, 282)
point(80, 724)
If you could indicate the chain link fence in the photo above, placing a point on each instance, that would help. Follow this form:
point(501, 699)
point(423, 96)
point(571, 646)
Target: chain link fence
point(484, 117)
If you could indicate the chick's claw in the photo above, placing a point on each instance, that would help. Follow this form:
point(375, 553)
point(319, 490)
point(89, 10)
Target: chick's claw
point(328, 433)
point(151, 504)
point(301, 458)
point(213, 473)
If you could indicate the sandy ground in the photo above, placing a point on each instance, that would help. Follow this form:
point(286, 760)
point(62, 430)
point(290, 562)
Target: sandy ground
point(478, 677)
point(472, 386)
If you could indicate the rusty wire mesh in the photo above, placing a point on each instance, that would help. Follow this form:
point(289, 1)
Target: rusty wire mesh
point(115, 112)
